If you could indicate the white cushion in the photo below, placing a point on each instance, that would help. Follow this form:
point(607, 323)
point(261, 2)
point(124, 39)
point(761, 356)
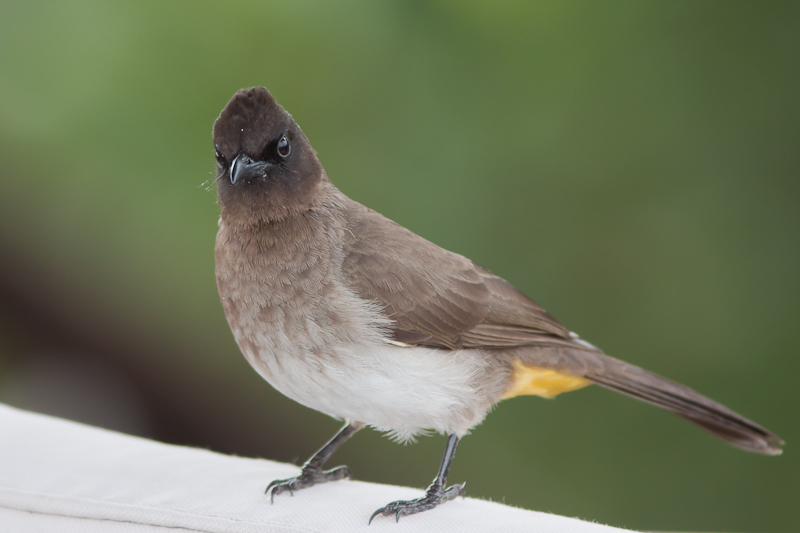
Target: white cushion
point(57, 475)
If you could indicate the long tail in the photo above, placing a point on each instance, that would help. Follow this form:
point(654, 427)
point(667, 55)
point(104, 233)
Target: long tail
point(686, 403)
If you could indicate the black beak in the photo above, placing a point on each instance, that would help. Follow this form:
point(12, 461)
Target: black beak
point(243, 167)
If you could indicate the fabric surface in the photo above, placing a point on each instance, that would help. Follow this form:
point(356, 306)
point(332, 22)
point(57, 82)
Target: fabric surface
point(62, 476)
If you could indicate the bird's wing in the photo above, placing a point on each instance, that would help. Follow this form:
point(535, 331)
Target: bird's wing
point(438, 298)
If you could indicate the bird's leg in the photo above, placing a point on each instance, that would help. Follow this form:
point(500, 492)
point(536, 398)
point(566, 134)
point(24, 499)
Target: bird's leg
point(436, 493)
point(312, 472)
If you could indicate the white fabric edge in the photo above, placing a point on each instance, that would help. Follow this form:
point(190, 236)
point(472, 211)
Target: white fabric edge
point(60, 468)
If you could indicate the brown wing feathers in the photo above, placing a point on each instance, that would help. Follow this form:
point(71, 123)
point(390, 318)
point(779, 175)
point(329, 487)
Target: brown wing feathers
point(432, 297)
point(438, 298)
point(443, 300)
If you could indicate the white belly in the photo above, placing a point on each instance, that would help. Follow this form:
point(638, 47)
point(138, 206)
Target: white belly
point(403, 390)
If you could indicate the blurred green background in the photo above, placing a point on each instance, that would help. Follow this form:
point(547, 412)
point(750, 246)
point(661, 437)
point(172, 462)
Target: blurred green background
point(633, 166)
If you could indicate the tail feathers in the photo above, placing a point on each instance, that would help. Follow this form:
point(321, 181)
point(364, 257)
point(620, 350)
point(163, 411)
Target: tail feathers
point(686, 403)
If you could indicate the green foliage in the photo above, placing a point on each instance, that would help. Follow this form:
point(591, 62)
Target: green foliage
point(633, 166)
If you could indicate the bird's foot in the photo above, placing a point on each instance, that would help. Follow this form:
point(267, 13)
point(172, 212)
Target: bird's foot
point(307, 478)
point(434, 496)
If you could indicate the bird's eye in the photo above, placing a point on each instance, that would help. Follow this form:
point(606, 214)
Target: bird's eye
point(284, 149)
point(220, 158)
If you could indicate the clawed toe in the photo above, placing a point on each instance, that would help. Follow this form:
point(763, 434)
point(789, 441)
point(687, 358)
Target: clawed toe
point(435, 496)
point(282, 485)
point(308, 478)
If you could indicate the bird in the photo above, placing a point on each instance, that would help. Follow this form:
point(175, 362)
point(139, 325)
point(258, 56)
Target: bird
point(353, 315)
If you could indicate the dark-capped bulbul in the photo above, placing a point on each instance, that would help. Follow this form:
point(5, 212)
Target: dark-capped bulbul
point(349, 313)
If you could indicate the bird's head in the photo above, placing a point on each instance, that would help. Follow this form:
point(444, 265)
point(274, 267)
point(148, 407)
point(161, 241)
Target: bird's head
point(266, 168)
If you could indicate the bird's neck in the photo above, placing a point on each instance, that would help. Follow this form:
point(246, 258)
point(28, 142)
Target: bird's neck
point(274, 262)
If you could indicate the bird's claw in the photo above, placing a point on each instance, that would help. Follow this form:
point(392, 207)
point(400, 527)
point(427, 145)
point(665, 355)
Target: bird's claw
point(435, 496)
point(307, 478)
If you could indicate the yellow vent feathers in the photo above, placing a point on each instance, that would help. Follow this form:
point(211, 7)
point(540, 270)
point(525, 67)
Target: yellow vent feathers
point(544, 382)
